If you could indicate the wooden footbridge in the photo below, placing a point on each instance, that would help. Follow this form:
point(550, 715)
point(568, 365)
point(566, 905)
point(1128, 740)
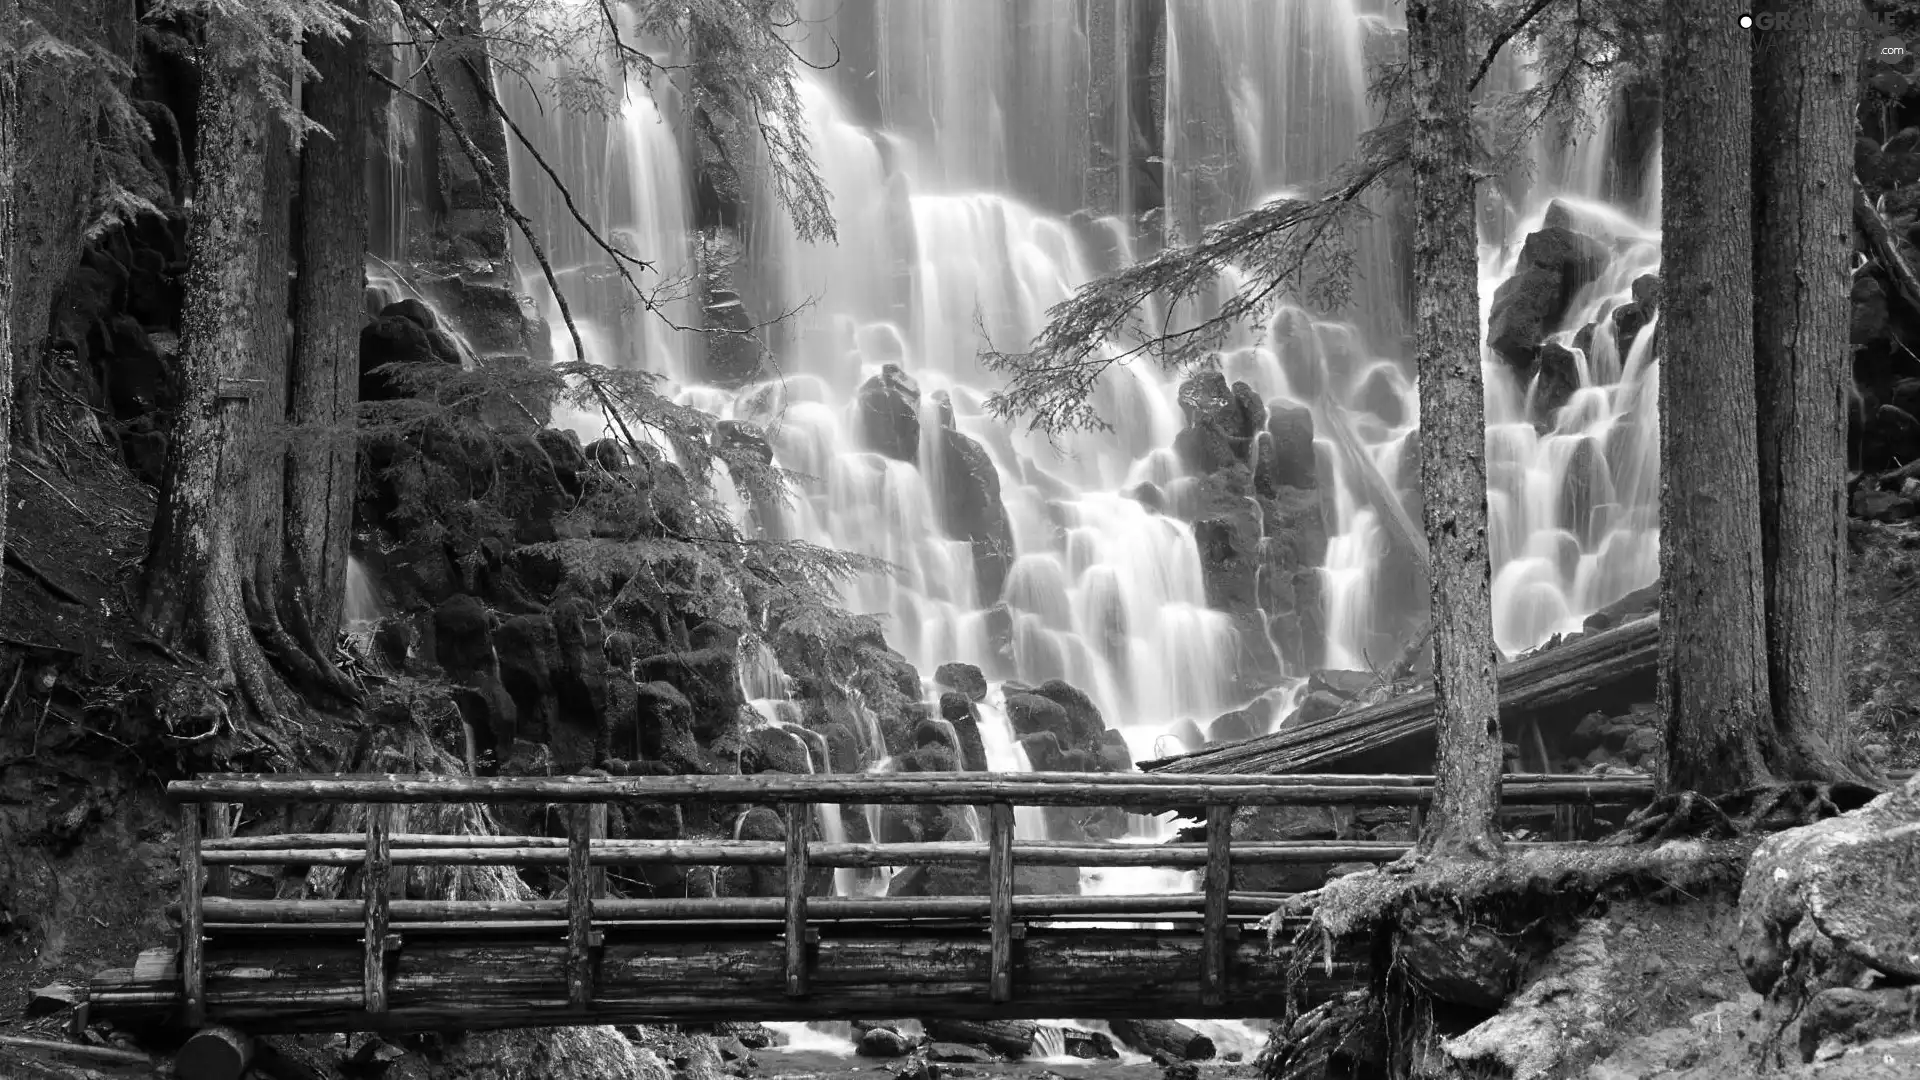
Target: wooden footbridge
point(384, 962)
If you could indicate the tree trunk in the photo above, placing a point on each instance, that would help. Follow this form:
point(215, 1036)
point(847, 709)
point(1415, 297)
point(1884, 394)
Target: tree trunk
point(323, 386)
point(198, 564)
point(1453, 433)
point(1804, 84)
point(1713, 663)
point(9, 157)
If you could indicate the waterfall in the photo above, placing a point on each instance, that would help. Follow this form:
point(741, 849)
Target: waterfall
point(953, 138)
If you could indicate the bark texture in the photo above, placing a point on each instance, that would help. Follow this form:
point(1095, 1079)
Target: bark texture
point(1713, 663)
point(1804, 86)
point(197, 565)
point(1453, 470)
point(323, 386)
point(9, 162)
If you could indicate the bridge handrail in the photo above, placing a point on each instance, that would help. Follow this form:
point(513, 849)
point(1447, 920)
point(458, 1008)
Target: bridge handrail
point(1124, 790)
point(586, 852)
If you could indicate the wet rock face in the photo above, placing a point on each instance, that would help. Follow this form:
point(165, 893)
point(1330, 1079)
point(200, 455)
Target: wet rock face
point(706, 679)
point(889, 414)
point(405, 332)
point(958, 709)
point(731, 360)
point(1258, 523)
point(1554, 264)
point(1286, 456)
point(1557, 376)
point(971, 510)
point(489, 316)
point(1221, 421)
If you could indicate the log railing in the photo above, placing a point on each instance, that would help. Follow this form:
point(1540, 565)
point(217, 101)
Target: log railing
point(207, 854)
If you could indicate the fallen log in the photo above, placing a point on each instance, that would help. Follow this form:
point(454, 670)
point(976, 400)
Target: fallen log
point(1163, 1038)
point(1013, 1038)
point(215, 1053)
point(1019, 1038)
point(1887, 246)
point(1618, 663)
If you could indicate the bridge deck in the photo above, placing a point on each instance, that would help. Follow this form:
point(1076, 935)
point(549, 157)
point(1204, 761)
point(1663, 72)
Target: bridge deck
point(582, 956)
point(470, 977)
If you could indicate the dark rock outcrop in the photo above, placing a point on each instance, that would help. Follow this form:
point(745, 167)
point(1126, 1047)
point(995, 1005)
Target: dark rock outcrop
point(889, 414)
point(707, 681)
point(1555, 263)
point(971, 509)
point(1556, 377)
point(1258, 520)
point(964, 678)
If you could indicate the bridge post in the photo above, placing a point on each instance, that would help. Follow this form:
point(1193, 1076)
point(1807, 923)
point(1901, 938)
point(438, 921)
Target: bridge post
point(377, 885)
point(1000, 901)
point(797, 899)
point(1219, 879)
point(580, 897)
point(192, 940)
point(597, 830)
point(220, 827)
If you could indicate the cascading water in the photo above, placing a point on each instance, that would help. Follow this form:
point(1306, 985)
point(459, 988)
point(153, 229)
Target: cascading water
point(946, 139)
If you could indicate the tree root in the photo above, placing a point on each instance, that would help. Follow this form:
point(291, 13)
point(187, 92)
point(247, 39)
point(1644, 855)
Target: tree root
point(1765, 808)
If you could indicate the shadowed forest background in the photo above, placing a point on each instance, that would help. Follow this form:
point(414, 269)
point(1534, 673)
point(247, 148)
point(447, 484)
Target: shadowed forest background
point(541, 387)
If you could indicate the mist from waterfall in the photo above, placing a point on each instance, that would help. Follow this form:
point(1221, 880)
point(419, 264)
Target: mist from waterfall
point(952, 139)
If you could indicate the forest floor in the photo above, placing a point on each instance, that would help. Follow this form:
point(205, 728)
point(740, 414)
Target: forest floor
point(86, 865)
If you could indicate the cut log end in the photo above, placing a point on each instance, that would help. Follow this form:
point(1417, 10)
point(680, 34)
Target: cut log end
point(214, 1053)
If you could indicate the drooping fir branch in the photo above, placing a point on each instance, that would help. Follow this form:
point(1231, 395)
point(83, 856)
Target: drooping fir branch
point(1276, 246)
point(1298, 247)
point(1501, 38)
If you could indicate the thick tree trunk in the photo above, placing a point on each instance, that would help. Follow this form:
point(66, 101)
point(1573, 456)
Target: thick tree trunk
point(323, 386)
point(1713, 664)
point(1804, 85)
point(1453, 433)
point(9, 161)
point(198, 558)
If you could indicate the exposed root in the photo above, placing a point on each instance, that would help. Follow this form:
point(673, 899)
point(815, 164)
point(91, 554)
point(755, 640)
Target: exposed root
point(1766, 808)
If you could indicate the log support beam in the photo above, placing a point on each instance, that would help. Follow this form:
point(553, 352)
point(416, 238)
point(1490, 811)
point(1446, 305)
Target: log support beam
point(1000, 902)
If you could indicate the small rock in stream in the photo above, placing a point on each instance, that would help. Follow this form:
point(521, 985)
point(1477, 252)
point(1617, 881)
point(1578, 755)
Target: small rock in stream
point(882, 1042)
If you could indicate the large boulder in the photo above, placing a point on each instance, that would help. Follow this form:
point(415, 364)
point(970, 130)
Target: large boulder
point(1084, 723)
point(889, 414)
point(1032, 714)
point(964, 678)
point(1555, 263)
point(1825, 903)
